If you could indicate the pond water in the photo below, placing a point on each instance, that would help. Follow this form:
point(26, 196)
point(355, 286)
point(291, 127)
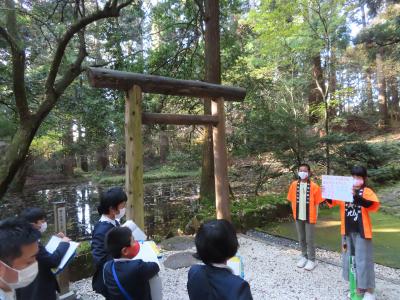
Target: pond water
point(167, 205)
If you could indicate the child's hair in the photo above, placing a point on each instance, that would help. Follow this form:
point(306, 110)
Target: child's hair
point(111, 199)
point(15, 233)
point(33, 214)
point(116, 239)
point(359, 171)
point(305, 165)
point(216, 241)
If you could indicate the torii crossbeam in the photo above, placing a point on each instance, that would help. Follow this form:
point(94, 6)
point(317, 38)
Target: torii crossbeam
point(134, 85)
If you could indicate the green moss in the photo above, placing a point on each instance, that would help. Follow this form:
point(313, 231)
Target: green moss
point(84, 248)
point(164, 172)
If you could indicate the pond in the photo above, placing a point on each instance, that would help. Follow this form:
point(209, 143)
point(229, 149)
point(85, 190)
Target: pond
point(168, 205)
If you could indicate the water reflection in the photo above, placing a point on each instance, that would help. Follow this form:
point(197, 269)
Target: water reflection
point(166, 205)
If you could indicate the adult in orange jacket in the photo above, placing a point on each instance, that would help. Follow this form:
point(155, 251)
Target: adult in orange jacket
point(305, 196)
point(356, 230)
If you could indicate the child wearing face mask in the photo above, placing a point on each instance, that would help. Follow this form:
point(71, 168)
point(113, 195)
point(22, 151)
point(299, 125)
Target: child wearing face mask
point(305, 196)
point(125, 278)
point(18, 250)
point(111, 209)
point(356, 230)
point(45, 285)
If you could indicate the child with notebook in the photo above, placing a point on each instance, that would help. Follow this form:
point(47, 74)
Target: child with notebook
point(125, 278)
point(216, 242)
point(45, 284)
point(111, 209)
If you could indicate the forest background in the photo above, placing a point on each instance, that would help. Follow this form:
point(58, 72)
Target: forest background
point(322, 80)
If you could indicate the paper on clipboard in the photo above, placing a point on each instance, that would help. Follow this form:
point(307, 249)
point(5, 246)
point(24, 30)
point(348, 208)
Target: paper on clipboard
point(337, 188)
point(52, 246)
point(137, 233)
point(147, 253)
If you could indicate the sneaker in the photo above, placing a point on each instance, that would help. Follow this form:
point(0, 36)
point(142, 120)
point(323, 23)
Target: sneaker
point(310, 265)
point(369, 296)
point(302, 262)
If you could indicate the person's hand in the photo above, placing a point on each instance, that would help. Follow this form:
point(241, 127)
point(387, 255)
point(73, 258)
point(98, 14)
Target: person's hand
point(66, 239)
point(60, 235)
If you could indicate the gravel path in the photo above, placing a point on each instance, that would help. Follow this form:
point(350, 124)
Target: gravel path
point(270, 269)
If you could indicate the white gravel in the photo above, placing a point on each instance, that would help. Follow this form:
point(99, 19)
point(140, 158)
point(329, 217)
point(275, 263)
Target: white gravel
point(271, 272)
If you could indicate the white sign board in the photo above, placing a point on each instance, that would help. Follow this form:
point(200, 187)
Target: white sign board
point(337, 188)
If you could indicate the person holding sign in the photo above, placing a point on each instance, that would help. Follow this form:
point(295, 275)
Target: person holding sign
point(124, 277)
point(111, 210)
point(356, 230)
point(305, 196)
point(45, 285)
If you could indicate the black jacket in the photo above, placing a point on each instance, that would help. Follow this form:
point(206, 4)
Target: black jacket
point(213, 283)
point(134, 277)
point(100, 255)
point(45, 285)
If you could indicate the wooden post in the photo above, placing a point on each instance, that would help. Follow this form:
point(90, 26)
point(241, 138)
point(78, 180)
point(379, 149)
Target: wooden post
point(60, 225)
point(220, 162)
point(134, 156)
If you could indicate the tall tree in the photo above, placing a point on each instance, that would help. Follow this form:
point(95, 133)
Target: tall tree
point(65, 66)
point(213, 75)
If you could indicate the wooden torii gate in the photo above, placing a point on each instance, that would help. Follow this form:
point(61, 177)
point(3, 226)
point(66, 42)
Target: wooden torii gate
point(134, 85)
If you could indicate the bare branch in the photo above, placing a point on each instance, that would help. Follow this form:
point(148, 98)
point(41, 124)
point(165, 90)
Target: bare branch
point(10, 40)
point(108, 11)
point(18, 62)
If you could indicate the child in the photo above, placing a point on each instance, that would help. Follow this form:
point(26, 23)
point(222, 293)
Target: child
point(305, 197)
point(356, 229)
point(216, 242)
point(125, 278)
point(111, 209)
point(45, 285)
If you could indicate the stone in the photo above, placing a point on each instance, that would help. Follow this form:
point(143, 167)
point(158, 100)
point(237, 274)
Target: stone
point(177, 243)
point(180, 260)
point(192, 226)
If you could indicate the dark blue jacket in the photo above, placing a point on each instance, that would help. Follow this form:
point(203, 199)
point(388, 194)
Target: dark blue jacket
point(100, 254)
point(134, 277)
point(212, 283)
point(45, 285)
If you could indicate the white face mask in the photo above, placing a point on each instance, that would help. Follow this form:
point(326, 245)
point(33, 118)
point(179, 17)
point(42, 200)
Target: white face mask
point(358, 182)
point(303, 175)
point(43, 227)
point(24, 277)
point(121, 213)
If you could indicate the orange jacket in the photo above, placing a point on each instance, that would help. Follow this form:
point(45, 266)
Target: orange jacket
point(368, 194)
point(315, 198)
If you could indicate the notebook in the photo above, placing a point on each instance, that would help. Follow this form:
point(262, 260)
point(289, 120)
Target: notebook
point(147, 253)
point(137, 233)
point(52, 246)
point(236, 264)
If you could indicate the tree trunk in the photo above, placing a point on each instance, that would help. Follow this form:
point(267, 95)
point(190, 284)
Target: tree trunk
point(368, 72)
point(382, 98)
point(332, 84)
point(164, 144)
point(102, 161)
point(18, 183)
point(84, 163)
point(314, 97)
point(213, 75)
point(67, 168)
point(394, 90)
point(29, 121)
point(16, 153)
